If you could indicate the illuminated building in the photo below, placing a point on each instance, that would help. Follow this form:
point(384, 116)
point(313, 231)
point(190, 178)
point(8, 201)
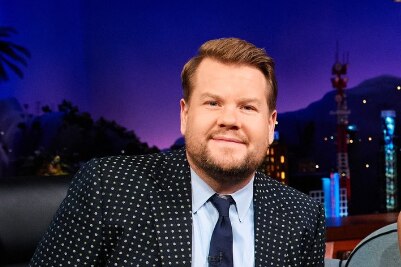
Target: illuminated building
point(276, 165)
point(332, 197)
point(390, 160)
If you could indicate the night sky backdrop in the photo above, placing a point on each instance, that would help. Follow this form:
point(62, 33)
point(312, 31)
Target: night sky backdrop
point(122, 59)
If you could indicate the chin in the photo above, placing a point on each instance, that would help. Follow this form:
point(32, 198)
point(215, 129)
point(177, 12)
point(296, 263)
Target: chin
point(235, 153)
point(228, 162)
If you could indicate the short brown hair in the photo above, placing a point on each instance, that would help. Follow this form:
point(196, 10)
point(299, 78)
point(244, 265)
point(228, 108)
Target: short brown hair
point(231, 51)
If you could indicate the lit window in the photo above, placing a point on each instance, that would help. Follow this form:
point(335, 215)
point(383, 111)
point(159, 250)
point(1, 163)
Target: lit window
point(282, 159)
point(283, 175)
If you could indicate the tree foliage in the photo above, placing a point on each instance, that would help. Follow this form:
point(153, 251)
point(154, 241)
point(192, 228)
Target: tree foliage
point(12, 56)
point(62, 140)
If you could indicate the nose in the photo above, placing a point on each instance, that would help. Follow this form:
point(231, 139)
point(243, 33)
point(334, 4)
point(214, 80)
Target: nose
point(229, 118)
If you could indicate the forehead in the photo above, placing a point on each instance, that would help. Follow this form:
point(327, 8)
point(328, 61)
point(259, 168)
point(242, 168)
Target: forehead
point(213, 74)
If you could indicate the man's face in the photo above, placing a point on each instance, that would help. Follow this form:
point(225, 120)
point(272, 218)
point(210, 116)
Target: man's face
point(227, 123)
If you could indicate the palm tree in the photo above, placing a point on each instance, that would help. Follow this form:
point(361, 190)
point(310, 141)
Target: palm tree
point(11, 54)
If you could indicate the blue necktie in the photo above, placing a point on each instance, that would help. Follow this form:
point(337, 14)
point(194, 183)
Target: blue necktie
point(221, 243)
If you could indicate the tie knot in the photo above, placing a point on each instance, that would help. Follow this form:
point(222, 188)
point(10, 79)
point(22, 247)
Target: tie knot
point(222, 204)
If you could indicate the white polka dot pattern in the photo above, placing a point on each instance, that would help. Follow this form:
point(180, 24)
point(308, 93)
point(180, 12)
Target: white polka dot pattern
point(136, 211)
point(289, 226)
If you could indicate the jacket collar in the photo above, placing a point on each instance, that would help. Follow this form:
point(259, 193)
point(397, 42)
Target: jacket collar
point(268, 219)
point(171, 205)
point(172, 210)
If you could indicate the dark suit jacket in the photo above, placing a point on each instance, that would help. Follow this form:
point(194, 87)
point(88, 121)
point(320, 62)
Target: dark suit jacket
point(136, 211)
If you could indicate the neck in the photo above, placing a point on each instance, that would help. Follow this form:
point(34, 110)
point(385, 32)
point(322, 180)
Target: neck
point(222, 185)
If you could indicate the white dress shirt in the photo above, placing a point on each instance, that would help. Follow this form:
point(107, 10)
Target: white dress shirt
point(205, 216)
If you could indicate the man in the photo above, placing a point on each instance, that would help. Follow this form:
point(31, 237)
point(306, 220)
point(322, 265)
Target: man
point(165, 209)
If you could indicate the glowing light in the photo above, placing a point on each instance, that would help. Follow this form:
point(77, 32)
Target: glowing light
point(364, 101)
point(351, 141)
point(367, 165)
point(399, 87)
point(369, 138)
point(331, 137)
point(351, 128)
point(282, 159)
point(317, 166)
point(325, 139)
point(332, 198)
point(276, 122)
point(390, 164)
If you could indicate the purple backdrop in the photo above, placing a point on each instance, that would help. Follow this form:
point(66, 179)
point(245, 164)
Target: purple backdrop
point(122, 59)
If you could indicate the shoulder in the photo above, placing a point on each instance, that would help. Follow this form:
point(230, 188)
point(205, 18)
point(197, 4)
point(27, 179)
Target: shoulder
point(139, 169)
point(137, 163)
point(285, 197)
point(123, 177)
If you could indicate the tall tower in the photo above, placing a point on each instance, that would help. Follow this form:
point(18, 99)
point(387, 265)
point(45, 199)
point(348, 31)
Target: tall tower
point(339, 81)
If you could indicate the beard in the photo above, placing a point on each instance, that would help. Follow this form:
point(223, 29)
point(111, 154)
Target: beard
point(225, 169)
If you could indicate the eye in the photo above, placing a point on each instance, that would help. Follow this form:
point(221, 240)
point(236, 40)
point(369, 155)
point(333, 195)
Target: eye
point(249, 108)
point(212, 103)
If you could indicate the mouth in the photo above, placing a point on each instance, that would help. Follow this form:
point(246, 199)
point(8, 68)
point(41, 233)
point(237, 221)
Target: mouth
point(228, 139)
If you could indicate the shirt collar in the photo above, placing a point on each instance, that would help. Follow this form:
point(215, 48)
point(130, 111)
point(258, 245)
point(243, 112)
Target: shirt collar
point(201, 192)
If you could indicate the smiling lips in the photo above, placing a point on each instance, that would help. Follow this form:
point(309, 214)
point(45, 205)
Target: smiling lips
point(228, 139)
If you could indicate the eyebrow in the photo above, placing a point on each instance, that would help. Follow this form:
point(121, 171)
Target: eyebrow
point(249, 100)
point(206, 95)
point(242, 99)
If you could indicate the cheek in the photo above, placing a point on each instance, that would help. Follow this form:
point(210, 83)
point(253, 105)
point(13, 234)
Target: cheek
point(257, 134)
point(193, 126)
point(260, 135)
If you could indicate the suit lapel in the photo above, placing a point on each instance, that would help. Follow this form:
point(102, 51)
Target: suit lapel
point(268, 218)
point(171, 206)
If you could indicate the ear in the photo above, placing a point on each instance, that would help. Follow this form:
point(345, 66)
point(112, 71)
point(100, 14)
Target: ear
point(272, 125)
point(183, 115)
